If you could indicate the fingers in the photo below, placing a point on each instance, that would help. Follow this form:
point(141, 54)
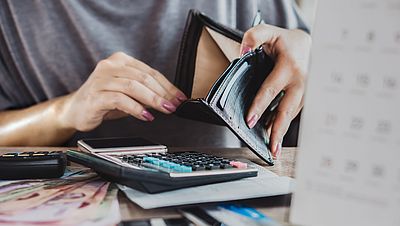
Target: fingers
point(287, 110)
point(146, 79)
point(290, 50)
point(140, 82)
point(174, 94)
point(270, 88)
point(259, 35)
point(138, 92)
point(160, 78)
point(109, 101)
point(180, 96)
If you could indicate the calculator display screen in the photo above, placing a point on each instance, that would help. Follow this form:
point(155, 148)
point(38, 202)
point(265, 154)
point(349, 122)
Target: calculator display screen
point(118, 142)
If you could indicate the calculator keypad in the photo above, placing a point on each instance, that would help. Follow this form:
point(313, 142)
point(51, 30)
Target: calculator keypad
point(182, 162)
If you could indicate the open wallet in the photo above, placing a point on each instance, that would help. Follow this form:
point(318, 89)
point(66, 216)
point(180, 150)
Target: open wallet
point(220, 85)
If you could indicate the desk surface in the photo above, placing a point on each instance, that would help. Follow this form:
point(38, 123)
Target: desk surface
point(275, 207)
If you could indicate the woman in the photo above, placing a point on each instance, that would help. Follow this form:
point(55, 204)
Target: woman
point(67, 66)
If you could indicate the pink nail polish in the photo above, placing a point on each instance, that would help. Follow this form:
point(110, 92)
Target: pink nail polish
point(168, 106)
point(181, 97)
point(176, 102)
point(245, 50)
point(252, 122)
point(147, 115)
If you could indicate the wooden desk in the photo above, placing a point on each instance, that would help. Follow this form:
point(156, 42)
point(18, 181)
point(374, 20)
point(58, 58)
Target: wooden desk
point(275, 207)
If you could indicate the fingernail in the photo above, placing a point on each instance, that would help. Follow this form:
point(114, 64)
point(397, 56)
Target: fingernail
point(245, 49)
point(168, 106)
point(176, 102)
point(252, 121)
point(147, 115)
point(181, 96)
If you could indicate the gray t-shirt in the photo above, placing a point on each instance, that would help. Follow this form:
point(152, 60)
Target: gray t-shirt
point(49, 48)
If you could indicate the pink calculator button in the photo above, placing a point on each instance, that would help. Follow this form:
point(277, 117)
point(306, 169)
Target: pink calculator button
point(239, 165)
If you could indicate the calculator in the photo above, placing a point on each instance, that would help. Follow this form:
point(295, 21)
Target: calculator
point(159, 171)
point(32, 165)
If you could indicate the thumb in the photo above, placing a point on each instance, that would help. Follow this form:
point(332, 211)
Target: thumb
point(258, 35)
point(244, 48)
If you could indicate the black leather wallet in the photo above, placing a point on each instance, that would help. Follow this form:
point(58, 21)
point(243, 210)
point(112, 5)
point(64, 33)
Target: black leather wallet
point(222, 86)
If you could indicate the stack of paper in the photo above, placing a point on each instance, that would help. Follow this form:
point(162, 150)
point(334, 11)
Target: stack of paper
point(264, 185)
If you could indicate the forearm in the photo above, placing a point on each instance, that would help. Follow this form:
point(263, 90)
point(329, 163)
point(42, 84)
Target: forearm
point(39, 125)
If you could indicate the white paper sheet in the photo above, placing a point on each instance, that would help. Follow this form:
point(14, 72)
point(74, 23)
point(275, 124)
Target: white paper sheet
point(264, 185)
point(347, 169)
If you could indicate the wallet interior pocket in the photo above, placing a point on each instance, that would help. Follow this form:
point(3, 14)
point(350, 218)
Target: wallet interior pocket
point(214, 54)
point(207, 48)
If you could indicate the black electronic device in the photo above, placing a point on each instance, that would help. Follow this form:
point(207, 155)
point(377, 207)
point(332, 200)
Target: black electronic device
point(32, 165)
point(152, 169)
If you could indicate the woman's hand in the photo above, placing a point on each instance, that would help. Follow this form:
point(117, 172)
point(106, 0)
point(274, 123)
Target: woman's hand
point(290, 51)
point(120, 85)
